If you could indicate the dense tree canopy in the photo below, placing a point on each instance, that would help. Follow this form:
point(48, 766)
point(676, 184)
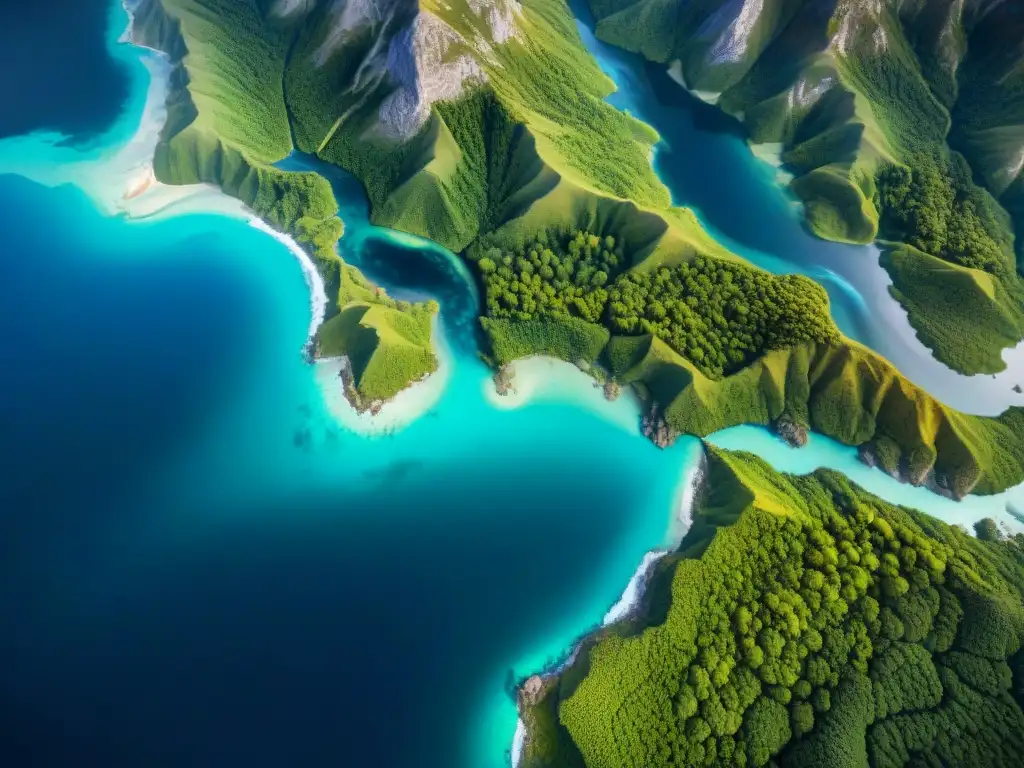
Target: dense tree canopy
point(823, 628)
point(719, 315)
point(554, 277)
point(932, 204)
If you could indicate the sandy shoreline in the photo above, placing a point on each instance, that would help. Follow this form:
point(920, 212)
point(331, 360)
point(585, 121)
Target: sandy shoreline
point(315, 283)
point(140, 195)
point(403, 409)
point(682, 515)
point(543, 379)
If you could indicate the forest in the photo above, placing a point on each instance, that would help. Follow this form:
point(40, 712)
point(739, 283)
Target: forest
point(719, 315)
point(808, 624)
point(932, 204)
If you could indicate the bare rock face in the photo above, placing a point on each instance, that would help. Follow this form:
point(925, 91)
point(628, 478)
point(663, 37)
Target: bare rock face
point(733, 22)
point(793, 433)
point(348, 16)
point(419, 63)
point(356, 400)
point(803, 95)
point(856, 17)
point(502, 19)
point(504, 380)
point(425, 56)
point(866, 453)
point(657, 430)
point(531, 692)
point(612, 390)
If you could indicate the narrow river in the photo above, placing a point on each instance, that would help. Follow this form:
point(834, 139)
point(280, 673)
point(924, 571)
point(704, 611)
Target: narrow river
point(706, 164)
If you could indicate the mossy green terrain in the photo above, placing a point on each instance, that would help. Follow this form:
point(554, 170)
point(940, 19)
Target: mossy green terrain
point(934, 290)
point(842, 390)
point(807, 623)
point(851, 88)
point(386, 342)
point(227, 124)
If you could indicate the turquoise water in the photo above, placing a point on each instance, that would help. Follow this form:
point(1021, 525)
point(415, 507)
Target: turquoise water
point(200, 566)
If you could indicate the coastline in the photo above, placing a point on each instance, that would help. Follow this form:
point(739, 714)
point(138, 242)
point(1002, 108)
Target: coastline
point(538, 379)
point(404, 408)
point(535, 687)
point(138, 194)
point(315, 283)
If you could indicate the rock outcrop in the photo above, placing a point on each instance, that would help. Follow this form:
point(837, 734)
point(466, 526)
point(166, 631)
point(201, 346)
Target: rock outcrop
point(504, 380)
point(656, 429)
point(793, 433)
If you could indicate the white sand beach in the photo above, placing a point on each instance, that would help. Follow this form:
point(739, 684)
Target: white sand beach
point(542, 379)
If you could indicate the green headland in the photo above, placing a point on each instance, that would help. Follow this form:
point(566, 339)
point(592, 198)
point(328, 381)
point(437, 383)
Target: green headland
point(485, 129)
point(803, 622)
point(900, 120)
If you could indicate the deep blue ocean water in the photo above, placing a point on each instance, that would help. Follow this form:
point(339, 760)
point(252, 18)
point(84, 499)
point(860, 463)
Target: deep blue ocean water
point(200, 567)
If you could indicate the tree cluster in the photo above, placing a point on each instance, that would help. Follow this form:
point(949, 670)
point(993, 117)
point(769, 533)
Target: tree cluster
point(563, 276)
point(847, 632)
point(719, 315)
point(932, 204)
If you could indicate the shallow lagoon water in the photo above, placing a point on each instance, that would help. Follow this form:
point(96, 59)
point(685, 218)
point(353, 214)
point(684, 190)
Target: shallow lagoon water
point(201, 566)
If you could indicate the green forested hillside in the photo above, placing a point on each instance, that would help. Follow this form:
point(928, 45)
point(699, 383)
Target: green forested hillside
point(484, 127)
point(805, 623)
point(859, 93)
point(227, 123)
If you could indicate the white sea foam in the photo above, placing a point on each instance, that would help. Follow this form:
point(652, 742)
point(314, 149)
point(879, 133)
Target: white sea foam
point(317, 293)
point(634, 589)
point(680, 524)
point(687, 498)
point(518, 742)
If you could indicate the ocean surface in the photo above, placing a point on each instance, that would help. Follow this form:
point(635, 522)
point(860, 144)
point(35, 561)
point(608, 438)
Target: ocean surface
point(204, 561)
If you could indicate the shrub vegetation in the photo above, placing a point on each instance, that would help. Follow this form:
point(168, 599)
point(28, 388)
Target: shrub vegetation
point(811, 624)
point(720, 315)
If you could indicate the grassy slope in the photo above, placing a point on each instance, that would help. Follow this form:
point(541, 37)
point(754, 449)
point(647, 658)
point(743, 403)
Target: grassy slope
point(227, 122)
point(886, 100)
point(386, 342)
point(846, 392)
point(536, 148)
point(934, 291)
point(528, 153)
point(873, 665)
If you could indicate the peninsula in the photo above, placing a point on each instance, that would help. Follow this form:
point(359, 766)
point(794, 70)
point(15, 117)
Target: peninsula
point(484, 128)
